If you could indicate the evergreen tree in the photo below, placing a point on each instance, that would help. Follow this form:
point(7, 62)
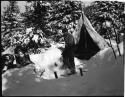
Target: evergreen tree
point(51, 16)
point(10, 16)
point(101, 11)
point(9, 22)
point(34, 17)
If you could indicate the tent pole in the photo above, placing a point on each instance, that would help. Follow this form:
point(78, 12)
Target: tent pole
point(111, 44)
point(82, 9)
point(116, 36)
point(85, 40)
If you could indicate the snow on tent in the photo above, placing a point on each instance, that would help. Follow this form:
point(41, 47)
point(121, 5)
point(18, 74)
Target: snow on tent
point(88, 41)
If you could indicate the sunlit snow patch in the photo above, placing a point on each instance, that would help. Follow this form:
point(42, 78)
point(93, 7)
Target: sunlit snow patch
point(51, 61)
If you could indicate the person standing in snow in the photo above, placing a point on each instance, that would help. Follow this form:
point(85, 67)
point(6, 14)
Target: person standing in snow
point(68, 53)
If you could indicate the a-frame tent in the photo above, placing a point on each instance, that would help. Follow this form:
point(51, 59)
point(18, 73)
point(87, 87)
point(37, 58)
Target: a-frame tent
point(87, 41)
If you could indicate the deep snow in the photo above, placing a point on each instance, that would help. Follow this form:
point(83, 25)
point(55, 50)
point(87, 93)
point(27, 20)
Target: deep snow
point(105, 76)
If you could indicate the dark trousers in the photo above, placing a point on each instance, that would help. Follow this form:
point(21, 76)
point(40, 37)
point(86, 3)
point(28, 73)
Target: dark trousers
point(68, 57)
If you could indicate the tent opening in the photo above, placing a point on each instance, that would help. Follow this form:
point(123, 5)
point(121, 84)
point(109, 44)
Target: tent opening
point(86, 47)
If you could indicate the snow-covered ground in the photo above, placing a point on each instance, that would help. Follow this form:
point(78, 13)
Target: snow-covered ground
point(105, 77)
point(45, 62)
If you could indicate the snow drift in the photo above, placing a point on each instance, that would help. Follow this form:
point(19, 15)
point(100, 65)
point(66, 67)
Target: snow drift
point(103, 53)
point(104, 77)
point(52, 61)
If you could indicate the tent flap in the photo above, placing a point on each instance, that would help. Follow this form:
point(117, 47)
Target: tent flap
point(88, 42)
point(99, 40)
point(95, 36)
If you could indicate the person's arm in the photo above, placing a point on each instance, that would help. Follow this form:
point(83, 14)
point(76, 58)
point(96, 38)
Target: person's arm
point(69, 39)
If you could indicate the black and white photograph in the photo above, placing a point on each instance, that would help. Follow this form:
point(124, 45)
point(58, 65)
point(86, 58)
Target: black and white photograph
point(63, 48)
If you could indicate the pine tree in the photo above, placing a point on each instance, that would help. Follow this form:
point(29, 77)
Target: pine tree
point(101, 11)
point(9, 22)
point(10, 15)
point(34, 17)
point(51, 16)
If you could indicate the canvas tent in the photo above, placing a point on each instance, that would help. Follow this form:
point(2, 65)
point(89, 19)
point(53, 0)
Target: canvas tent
point(88, 42)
